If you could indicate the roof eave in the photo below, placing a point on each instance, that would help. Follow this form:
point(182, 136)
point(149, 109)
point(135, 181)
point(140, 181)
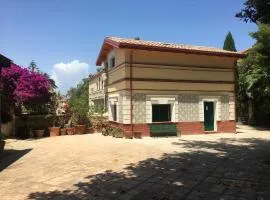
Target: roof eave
point(106, 43)
point(95, 75)
point(187, 51)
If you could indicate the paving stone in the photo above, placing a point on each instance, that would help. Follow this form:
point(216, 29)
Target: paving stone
point(221, 166)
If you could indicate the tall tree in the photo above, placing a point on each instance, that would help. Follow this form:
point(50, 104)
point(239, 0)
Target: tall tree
point(33, 66)
point(254, 76)
point(78, 101)
point(22, 86)
point(256, 11)
point(229, 43)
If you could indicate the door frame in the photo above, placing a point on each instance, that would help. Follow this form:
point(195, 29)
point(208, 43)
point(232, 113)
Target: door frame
point(214, 112)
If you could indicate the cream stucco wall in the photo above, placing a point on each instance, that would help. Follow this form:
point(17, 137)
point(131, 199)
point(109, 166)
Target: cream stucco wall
point(167, 58)
point(181, 86)
point(172, 66)
point(181, 73)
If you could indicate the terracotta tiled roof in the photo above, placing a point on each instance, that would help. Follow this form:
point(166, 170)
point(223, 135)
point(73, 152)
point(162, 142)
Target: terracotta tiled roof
point(93, 76)
point(117, 42)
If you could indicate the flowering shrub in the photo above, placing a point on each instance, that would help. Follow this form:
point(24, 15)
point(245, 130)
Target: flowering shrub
point(23, 86)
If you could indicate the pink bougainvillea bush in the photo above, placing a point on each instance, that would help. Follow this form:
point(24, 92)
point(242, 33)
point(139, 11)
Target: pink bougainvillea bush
point(22, 86)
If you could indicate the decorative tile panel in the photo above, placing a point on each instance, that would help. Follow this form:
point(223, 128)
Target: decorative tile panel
point(139, 108)
point(120, 106)
point(188, 107)
point(224, 107)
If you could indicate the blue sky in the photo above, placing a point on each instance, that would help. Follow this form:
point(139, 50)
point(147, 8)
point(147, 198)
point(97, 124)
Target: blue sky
point(64, 36)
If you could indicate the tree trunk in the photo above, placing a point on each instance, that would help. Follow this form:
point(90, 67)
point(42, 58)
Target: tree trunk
point(251, 119)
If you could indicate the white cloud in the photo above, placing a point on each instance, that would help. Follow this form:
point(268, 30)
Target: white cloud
point(69, 74)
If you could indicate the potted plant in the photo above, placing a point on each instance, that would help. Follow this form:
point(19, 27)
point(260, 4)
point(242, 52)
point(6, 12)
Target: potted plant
point(80, 129)
point(137, 135)
point(90, 130)
point(62, 120)
point(118, 133)
point(128, 135)
point(63, 131)
point(39, 133)
point(55, 129)
point(2, 143)
point(80, 119)
point(98, 123)
point(70, 130)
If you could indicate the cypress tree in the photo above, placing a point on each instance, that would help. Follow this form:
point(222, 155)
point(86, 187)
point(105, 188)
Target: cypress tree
point(229, 44)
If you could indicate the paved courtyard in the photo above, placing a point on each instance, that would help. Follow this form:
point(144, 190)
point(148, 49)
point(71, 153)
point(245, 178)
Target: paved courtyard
point(218, 166)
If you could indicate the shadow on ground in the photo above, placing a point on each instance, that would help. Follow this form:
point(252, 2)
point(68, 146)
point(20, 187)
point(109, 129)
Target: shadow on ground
point(10, 156)
point(227, 169)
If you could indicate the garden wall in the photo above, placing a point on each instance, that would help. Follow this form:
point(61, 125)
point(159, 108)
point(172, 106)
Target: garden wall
point(25, 123)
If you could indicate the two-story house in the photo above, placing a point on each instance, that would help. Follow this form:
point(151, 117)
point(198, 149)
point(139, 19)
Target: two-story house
point(97, 92)
point(154, 85)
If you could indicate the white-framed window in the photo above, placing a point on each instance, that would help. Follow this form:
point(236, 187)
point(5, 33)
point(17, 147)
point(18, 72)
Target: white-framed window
point(114, 112)
point(106, 64)
point(161, 108)
point(113, 109)
point(161, 112)
point(112, 62)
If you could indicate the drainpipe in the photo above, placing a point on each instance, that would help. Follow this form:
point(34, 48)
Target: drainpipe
point(131, 92)
point(235, 92)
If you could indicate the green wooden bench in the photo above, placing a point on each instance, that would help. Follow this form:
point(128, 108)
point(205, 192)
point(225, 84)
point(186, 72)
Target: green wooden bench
point(161, 130)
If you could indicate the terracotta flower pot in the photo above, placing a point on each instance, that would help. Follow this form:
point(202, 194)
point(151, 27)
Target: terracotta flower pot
point(128, 135)
point(54, 131)
point(70, 131)
point(2, 145)
point(138, 135)
point(63, 131)
point(90, 130)
point(38, 133)
point(80, 129)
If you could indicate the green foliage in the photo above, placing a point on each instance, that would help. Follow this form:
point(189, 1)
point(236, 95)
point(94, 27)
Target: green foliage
point(229, 44)
point(2, 137)
point(254, 74)
point(112, 131)
point(256, 11)
point(78, 102)
point(33, 66)
point(99, 123)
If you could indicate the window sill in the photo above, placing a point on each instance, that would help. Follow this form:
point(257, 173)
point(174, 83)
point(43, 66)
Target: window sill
point(165, 122)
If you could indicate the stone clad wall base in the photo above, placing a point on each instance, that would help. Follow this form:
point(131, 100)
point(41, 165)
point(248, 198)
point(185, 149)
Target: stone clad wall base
point(226, 126)
point(142, 128)
point(185, 128)
point(189, 128)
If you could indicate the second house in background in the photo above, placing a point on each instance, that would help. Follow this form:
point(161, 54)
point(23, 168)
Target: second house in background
point(97, 92)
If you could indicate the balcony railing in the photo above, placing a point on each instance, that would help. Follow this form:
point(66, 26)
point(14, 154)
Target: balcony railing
point(100, 94)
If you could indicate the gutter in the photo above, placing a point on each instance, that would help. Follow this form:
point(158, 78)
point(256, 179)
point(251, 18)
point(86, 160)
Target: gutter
point(131, 92)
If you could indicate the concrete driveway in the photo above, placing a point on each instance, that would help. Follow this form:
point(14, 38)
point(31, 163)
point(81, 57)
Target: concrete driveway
point(218, 166)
